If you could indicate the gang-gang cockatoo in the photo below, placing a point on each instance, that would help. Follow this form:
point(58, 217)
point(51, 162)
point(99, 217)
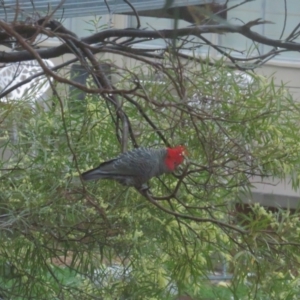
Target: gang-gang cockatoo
point(136, 167)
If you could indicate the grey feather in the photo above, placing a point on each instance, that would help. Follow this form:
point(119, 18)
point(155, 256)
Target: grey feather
point(132, 168)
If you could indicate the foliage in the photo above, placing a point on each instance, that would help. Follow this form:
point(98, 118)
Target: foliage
point(48, 213)
point(66, 239)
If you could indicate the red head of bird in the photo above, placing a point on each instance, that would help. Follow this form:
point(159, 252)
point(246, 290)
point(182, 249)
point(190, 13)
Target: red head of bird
point(174, 157)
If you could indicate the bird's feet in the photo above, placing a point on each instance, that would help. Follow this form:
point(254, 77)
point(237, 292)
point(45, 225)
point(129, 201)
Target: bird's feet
point(145, 189)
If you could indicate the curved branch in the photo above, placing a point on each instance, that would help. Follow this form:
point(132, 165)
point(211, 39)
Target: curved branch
point(100, 37)
point(190, 217)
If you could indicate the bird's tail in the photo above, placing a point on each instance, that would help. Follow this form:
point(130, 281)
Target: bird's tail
point(93, 174)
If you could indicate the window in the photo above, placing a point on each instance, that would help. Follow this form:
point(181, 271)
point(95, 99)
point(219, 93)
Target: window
point(273, 11)
point(151, 23)
point(84, 26)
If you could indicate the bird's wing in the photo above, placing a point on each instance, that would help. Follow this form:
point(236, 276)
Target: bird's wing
point(115, 167)
point(107, 169)
point(139, 165)
point(135, 163)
